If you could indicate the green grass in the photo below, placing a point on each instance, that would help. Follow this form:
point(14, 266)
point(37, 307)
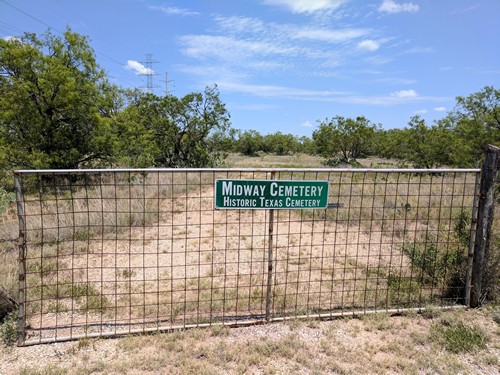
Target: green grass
point(458, 337)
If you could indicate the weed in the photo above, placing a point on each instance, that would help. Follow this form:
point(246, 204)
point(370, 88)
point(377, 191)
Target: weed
point(49, 369)
point(6, 198)
point(377, 322)
point(8, 329)
point(220, 330)
point(126, 273)
point(496, 316)
point(43, 267)
point(403, 291)
point(81, 235)
point(457, 337)
point(431, 312)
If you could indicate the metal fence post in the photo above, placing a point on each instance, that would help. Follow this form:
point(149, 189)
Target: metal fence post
point(489, 175)
point(270, 260)
point(21, 258)
point(472, 238)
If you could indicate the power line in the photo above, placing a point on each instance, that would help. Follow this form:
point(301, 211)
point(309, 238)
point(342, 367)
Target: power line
point(31, 16)
point(9, 28)
point(109, 58)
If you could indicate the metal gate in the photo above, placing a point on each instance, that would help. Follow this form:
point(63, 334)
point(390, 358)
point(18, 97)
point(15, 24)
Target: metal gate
point(111, 252)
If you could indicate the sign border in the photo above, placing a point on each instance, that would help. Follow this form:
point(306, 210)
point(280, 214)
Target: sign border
point(270, 208)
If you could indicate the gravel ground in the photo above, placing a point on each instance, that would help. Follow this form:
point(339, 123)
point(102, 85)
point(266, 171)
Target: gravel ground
point(370, 344)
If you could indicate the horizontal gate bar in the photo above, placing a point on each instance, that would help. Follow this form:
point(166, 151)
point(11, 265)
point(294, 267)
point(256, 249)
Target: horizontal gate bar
point(170, 170)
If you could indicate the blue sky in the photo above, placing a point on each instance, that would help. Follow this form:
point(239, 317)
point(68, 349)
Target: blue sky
point(282, 65)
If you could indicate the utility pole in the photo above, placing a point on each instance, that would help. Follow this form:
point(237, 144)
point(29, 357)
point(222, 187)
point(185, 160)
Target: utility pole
point(166, 83)
point(167, 93)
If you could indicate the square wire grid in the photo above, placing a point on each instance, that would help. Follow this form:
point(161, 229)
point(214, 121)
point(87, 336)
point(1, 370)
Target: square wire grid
point(110, 252)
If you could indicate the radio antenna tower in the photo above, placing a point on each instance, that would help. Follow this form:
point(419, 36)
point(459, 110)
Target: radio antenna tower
point(149, 74)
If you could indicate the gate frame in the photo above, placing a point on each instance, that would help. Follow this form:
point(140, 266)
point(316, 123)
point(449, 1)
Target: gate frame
point(475, 266)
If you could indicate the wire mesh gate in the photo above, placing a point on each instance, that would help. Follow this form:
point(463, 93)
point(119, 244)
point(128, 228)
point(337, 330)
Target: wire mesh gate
point(110, 252)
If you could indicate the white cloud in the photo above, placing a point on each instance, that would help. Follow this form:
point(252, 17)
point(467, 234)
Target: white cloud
point(246, 44)
point(138, 68)
point(325, 35)
point(404, 94)
point(274, 91)
point(369, 45)
point(238, 85)
point(307, 6)
point(378, 60)
point(240, 24)
point(308, 124)
point(388, 100)
point(229, 48)
point(395, 81)
point(11, 38)
point(421, 112)
point(174, 11)
point(440, 109)
point(420, 50)
point(390, 6)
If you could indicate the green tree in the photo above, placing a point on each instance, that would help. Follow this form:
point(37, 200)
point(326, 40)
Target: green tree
point(280, 144)
point(250, 142)
point(476, 122)
point(178, 130)
point(351, 138)
point(225, 141)
point(52, 101)
point(423, 144)
point(392, 143)
point(306, 145)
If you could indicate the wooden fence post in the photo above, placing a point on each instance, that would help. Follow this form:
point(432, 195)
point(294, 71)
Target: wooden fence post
point(489, 175)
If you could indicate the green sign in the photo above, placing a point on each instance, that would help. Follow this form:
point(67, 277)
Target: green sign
point(270, 194)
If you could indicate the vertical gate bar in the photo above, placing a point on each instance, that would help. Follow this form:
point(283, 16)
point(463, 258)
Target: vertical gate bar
point(21, 259)
point(470, 256)
point(270, 259)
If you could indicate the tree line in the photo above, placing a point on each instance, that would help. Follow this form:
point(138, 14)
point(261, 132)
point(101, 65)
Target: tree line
point(58, 109)
point(457, 140)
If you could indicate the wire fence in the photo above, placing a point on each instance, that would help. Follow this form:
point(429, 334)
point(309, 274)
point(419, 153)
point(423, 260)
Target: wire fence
point(111, 252)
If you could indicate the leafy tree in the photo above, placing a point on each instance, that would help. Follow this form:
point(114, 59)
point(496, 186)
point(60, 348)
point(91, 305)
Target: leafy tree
point(421, 142)
point(177, 130)
point(476, 121)
point(135, 145)
point(306, 145)
point(52, 101)
point(392, 143)
point(280, 144)
point(352, 138)
point(225, 141)
point(250, 142)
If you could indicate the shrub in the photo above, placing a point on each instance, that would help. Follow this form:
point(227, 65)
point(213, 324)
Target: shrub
point(446, 266)
point(341, 161)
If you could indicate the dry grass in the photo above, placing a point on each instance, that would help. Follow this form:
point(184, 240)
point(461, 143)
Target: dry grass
point(373, 344)
point(274, 161)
